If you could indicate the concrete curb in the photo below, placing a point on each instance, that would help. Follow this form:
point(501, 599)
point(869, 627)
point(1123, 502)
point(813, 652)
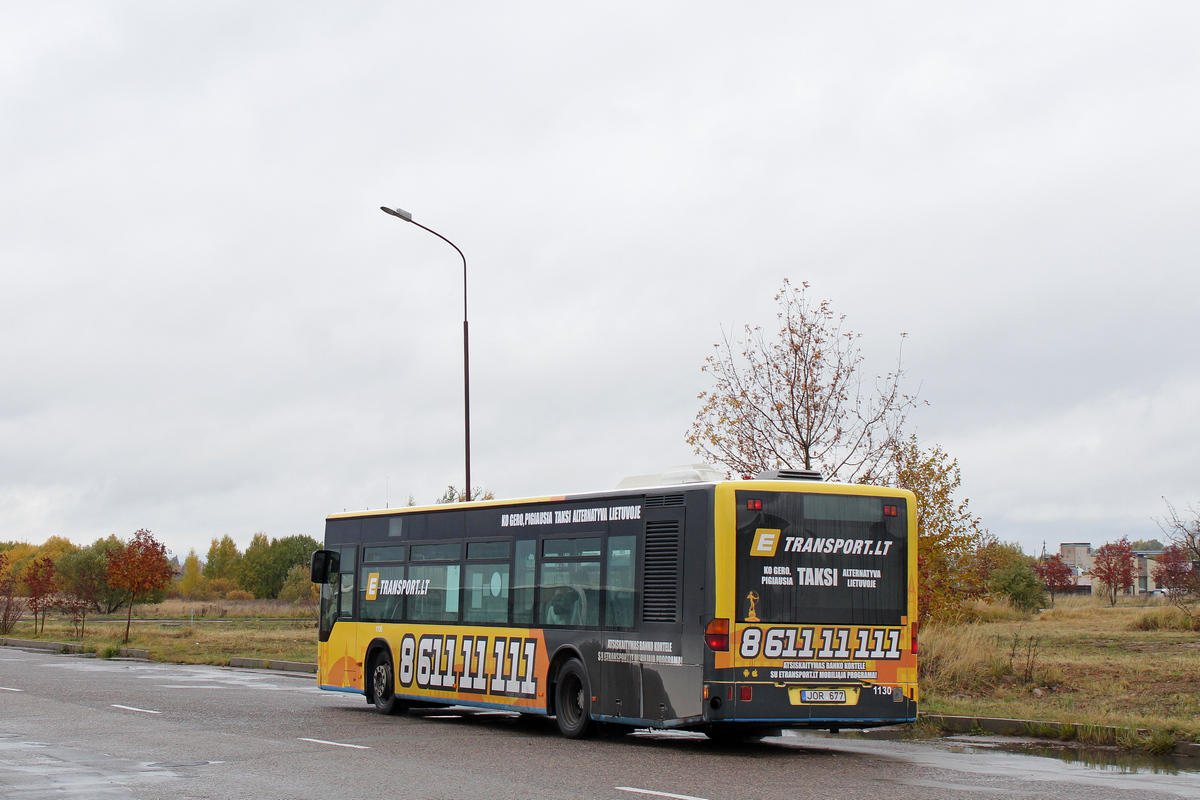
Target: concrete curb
point(1031, 727)
point(70, 647)
point(267, 663)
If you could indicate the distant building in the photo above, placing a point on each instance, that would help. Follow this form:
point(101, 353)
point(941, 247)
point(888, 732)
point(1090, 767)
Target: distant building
point(1143, 582)
point(1080, 557)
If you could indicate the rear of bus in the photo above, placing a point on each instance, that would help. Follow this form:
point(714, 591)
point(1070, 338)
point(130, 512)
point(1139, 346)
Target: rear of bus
point(815, 607)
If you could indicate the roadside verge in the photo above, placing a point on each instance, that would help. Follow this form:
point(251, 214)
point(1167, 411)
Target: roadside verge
point(1042, 730)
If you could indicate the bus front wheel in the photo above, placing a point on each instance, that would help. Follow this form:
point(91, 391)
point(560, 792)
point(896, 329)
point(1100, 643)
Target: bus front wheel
point(383, 686)
point(573, 701)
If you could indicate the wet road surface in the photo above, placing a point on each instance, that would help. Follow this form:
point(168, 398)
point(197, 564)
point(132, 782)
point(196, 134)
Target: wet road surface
point(86, 728)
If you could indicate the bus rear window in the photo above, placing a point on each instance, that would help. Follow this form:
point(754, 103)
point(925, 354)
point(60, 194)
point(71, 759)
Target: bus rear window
point(821, 558)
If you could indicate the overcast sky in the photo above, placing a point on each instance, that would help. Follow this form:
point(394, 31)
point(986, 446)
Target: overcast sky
point(207, 326)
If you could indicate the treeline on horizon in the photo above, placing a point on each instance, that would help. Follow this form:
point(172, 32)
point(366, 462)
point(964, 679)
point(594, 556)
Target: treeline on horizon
point(268, 569)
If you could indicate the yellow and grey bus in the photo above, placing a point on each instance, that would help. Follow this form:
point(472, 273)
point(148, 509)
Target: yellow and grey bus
point(736, 608)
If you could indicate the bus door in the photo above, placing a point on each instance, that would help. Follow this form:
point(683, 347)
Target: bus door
point(339, 660)
point(620, 674)
point(670, 688)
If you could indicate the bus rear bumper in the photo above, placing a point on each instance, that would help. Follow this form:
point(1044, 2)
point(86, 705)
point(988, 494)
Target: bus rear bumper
point(826, 705)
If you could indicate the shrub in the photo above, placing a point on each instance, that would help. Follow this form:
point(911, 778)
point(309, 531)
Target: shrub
point(239, 594)
point(1165, 618)
point(985, 611)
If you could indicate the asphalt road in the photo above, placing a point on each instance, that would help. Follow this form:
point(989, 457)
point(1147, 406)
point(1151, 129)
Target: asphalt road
point(81, 728)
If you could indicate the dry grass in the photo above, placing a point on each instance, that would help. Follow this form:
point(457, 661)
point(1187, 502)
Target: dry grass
point(1081, 661)
point(222, 609)
point(196, 633)
point(1168, 618)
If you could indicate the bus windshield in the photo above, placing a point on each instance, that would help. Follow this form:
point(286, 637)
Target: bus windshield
point(821, 558)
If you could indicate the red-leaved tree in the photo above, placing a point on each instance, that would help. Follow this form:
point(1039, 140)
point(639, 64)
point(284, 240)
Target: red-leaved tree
point(1114, 566)
point(140, 568)
point(1177, 574)
point(39, 580)
point(1055, 574)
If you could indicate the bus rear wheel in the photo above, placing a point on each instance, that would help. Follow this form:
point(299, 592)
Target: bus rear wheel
point(383, 686)
point(573, 701)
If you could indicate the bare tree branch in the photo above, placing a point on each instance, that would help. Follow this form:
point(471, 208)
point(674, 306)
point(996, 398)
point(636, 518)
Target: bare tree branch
point(800, 400)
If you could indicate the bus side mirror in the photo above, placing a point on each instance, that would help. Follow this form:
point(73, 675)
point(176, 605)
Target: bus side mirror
point(324, 563)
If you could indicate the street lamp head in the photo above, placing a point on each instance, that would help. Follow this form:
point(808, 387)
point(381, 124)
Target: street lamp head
point(397, 212)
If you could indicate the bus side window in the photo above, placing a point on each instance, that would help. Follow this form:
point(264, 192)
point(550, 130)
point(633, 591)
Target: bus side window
point(570, 592)
point(487, 593)
point(330, 602)
point(346, 608)
point(619, 594)
point(346, 593)
point(437, 599)
point(523, 582)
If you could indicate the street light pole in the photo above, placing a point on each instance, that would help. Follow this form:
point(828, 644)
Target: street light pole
point(407, 217)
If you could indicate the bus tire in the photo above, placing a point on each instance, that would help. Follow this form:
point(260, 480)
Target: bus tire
point(383, 686)
point(573, 701)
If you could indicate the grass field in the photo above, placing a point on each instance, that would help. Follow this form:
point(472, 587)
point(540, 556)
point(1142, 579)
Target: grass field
point(1082, 662)
point(196, 633)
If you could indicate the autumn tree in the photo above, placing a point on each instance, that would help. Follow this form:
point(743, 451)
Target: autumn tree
point(108, 599)
point(1017, 583)
point(255, 571)
point(266, 562)
point(947, 532)
point(19, 556)
point(38, 578)
point(139, 568)
point(12, 608)
point(223, 560)
point(54, 548)
point(1055, 574)
point(1113, 565)
point(191, 582)
point(1002, 571)
point(800, 398)
point(1179, 577)
point(299, 590)
point(81, 576)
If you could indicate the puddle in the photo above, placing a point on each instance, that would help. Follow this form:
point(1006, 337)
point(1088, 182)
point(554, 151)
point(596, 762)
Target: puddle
point(1107, 759)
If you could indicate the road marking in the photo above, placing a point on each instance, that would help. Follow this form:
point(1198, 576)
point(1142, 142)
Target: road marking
point(131, 708)
point(6, 689)
point(658, 794)
point(335, 744)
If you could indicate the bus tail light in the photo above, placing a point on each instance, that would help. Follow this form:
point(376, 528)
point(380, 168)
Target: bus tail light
point(914, 638)
point(746, 694)
point(891, 511)
point(716, 635)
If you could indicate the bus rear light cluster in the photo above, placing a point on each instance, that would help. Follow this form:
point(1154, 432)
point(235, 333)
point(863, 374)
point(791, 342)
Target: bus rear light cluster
point(891, 511)
point(746, 694)
point(716, 635)
point(754, 505)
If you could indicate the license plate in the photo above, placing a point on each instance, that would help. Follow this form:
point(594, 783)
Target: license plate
point(823, 696)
